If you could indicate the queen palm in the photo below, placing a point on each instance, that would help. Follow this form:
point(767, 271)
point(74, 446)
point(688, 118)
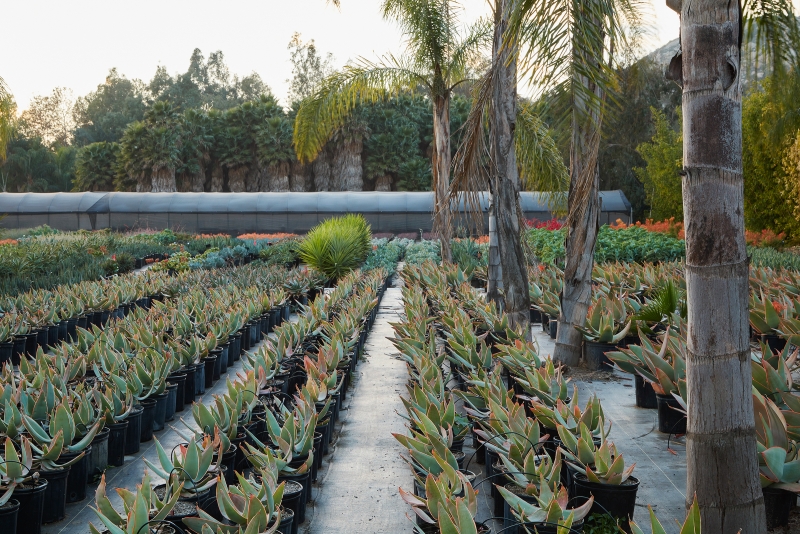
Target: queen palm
point(6, 118)
point(519, 146)
point(436, 61)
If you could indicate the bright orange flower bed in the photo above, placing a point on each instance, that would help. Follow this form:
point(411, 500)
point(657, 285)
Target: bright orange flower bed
point(8, 242)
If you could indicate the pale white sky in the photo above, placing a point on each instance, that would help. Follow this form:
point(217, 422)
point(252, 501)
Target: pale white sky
point(74, 43)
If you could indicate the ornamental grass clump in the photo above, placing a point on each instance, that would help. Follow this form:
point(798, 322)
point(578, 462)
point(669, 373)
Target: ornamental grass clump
point(337, 246)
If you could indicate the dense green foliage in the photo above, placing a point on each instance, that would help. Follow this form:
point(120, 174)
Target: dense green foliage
point(385, 254)
point(337, 245)
point(769, 257)
point(632, 244)
point(663, 157)
point(423, 251)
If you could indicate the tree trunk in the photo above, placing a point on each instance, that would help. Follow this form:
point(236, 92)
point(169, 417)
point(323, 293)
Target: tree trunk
point(322, 171)
point(347, 171)
point(383, 183)
point(279, 176)
point(441, 173)
point(163, 180)
point(514, 298)
point(299, 178)
point(217, 178)
point(583, 206)
point(253, 179)
point(199, 179)
point(721, 454)
point(237, 176)
point(494, 282)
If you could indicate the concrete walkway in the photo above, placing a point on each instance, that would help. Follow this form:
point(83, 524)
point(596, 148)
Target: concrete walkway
point(358, 490)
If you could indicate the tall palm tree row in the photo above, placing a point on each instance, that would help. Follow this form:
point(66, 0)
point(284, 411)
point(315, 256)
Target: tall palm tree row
point(437, 59)
point(6, 118)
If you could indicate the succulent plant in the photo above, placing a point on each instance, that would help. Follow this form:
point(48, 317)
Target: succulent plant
point(140, 507)
point(191, 464)
point(550, 507)
point(442, 507)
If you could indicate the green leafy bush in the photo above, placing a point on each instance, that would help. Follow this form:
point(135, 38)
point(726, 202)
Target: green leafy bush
point(769, 257)
point(423, 251)
point(337, 246)
point(283, 252)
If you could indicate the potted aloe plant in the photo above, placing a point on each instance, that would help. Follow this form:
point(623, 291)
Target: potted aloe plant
point(449, 504)
point(600, 472)
point(550, 514)
point(607, 324)
point(141, 509)
point(18, 479)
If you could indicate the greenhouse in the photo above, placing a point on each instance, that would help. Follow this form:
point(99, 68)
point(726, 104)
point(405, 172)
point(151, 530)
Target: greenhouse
point(392, 212)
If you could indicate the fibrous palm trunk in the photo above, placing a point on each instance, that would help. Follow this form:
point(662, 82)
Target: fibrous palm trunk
point(217, 178)
point(347, 171)
point(198, 180)
point(298, 181)
point(721, 454)
point(237, 176)
point(322, 171)
point(279, 176)
point(583, 205)
point(441, 173)
point(163, 180)
point(506, 210)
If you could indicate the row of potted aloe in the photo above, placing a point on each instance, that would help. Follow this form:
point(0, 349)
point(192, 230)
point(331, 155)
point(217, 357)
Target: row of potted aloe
point(99, 397)
point(540, 448)
point(261, 443)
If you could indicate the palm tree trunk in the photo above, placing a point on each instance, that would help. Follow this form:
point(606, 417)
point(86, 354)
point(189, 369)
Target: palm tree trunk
point(199, 179)
point(441, 173)
point(347, 170)
point(217, 178)
point(322, 171)
point(507, 211)
point(583, 206)
point(279, 176)
point(163, 180)
point(299, 179)
point(721, 454)
point(494, 283)
point(237, 176)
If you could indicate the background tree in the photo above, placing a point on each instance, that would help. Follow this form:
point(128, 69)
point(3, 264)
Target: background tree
point(104, 114)
point(437, 59)
point(7, 115)
point(95, 167)
point(50, 118)
point(663, 157)
point(309, 69)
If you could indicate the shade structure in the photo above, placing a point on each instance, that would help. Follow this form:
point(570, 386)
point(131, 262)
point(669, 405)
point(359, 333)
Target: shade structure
point(387, 212)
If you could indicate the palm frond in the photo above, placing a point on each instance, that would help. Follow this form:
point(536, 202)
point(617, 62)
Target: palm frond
point(327, 110)
point(467, 50)
point(772, 27)
point(541, 166)
point(427, 25)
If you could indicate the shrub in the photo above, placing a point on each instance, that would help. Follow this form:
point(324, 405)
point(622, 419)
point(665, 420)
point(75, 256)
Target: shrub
point(337, 246)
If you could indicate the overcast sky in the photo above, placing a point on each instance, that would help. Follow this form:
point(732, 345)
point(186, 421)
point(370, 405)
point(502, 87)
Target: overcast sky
point(74, 43)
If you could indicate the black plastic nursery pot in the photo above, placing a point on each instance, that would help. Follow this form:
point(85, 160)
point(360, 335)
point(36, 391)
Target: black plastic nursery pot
point(287, 521)
point(179, 379)
point(617, 500)
point(41, 339)
point(216, 354)
point(645, 394)
point(116, 443)
point(225, 360)
point(209, 363)
point(549, 528)
point(535, 315)
point(774, 342)
point(55, 495)
point(778, 504)
point(552, 325)
point(134, 432)
point(594, 354)
point(78, 474)
point(31, 507)
point(172, 401)
point(6, 349)
point(511, 523)
point(148, 416)
point(52, 335)
point(229, 461)
point(31, 343)
point(292, 497)
point(670, 420)
point(8, 517)
point(19, 349)
point(303, 481)
point(159, 411)
point(99, 459)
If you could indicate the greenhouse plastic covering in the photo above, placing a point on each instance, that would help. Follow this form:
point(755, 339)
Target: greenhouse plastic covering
point(394, 212)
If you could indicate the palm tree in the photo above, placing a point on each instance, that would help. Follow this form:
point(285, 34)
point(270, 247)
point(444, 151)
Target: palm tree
point(7, 110)
point(720, 409)
point(436, 61)
point(569, 50)
point(519, 147)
